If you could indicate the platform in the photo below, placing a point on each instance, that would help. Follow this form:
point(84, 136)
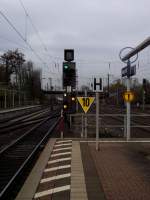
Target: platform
point(73, 169)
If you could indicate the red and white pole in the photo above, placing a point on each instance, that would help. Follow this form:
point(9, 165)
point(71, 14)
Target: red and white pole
point(62, 125)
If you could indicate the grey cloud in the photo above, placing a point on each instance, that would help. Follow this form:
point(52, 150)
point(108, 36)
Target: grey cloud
point(96, 29)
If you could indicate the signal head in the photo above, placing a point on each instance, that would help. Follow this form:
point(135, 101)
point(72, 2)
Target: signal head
point(65, 106)
point(73, 98)
point(66, 67)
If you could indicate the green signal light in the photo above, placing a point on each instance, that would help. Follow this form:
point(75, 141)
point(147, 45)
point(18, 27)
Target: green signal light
point(66, 67)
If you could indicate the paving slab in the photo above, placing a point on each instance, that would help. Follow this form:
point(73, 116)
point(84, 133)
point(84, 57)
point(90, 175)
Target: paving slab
point(78, 187)
point(124, 170)
point(93, 183)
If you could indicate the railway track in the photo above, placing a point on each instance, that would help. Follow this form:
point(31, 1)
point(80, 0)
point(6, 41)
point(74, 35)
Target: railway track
point(16, 157)
point(11, 131)
point(21, 119)
point(5, 117)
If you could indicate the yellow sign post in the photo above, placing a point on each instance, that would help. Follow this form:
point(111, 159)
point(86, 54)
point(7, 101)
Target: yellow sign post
point(128, 96)
point(85, 102)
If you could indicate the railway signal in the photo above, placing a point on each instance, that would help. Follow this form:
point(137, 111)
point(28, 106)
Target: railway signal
point(73, 99)
point(66, 67)
point(69, 55)
point(69, 69)
point(69, 102)
point(69, 74)
point(65, 104)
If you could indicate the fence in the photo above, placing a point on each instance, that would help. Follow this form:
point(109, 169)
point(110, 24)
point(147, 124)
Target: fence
point(12, 98)
point(111, 122)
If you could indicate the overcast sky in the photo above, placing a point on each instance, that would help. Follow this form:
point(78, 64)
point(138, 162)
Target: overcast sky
point(95, 29)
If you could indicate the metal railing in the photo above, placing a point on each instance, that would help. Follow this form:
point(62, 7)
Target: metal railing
point(121, 117)
point(12, 98)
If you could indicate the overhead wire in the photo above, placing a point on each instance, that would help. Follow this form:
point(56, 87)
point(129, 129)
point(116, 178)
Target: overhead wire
point(22, 38)
point(20, 35)
point(14, 42)
point(40, 39)
point(26, 17)
point(36, 30)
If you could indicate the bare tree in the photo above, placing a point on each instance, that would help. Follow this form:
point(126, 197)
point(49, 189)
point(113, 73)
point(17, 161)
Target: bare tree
point(2, 73)
point(12, 61)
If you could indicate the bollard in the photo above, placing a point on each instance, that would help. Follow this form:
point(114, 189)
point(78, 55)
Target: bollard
point(62, 125)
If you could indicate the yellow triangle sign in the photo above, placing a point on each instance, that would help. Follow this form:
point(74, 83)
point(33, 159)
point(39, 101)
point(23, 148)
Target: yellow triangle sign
point(85, 102)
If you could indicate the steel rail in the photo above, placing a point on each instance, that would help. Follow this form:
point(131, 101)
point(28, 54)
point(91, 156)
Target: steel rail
point(17, 109)
point(22, 123)
point(5, 117)
point(21, 137)
point(34, 150)
point(28, 131)
point(21, 118)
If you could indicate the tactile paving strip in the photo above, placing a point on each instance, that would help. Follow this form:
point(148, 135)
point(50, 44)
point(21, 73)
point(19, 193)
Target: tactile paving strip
point(56, 178)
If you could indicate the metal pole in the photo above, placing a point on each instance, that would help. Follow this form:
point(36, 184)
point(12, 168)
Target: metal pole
point(61, 133)
point(82, 119)
point(5, 96)
point(128, 111)
point(117, 96)
point(19, 98)
point(108, 82)
point(50, 83)
point(143, 99)
point(97, 121)
point(24, 98)
point(19, 76)
point(85, 126)
point(85, 92)
point(70, 117)
point(125, 126)
point(9, 98)
point(13, 100)
point(77, 107)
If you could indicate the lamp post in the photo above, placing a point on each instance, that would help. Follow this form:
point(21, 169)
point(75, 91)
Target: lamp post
point(50, 83)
